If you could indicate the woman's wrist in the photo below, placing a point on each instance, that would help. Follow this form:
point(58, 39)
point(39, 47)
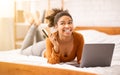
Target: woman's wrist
point(56, 50)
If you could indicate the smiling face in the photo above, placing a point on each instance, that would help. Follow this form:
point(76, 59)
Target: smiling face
point(65, 26)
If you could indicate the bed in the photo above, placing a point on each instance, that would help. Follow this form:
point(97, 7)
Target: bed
point(13, 63)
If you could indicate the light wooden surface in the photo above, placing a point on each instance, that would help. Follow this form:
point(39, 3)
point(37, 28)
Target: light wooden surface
point(108, 30)
point(20, 69)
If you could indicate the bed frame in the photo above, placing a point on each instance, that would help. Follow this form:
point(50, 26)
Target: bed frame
point(22, 69)
point(108, 30)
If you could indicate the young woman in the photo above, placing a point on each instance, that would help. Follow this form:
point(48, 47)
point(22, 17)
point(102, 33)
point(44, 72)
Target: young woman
point(64, 45)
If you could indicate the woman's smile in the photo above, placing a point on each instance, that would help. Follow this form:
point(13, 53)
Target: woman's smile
point(67, 31)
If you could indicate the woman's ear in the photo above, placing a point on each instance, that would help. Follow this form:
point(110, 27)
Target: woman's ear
point(56, 26)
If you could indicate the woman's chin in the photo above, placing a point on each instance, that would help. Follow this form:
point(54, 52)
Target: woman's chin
point(67, 34)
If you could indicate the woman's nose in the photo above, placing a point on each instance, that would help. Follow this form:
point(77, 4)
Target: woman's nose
point(66, 25)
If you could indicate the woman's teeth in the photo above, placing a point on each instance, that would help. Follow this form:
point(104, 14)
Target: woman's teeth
point(67, 30)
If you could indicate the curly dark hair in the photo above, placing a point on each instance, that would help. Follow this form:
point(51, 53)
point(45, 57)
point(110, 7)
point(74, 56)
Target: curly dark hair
point(54, 17)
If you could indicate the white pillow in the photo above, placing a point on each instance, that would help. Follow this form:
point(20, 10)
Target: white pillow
point(93, 36)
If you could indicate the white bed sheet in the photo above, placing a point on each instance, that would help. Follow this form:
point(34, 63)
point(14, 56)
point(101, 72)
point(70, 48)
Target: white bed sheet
point(90, 36)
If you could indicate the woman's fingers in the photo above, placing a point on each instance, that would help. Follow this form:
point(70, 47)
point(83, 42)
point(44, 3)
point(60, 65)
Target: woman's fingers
point(52, 38)
point(54, 41)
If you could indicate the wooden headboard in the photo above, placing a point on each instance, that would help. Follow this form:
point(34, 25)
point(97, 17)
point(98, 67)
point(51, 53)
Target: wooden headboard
point(108, 30)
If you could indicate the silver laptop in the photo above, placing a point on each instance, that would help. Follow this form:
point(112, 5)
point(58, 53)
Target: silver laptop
point(97, 55)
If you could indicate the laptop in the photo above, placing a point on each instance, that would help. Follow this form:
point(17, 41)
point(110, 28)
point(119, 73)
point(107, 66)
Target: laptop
point(97, 55)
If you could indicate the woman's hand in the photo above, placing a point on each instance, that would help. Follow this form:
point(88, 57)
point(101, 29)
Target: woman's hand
point(53, 39)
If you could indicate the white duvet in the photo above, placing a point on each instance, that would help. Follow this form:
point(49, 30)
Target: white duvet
point(90, 36)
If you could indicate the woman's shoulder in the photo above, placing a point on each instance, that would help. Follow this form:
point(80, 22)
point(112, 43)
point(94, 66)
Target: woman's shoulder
point(78, 38)
point(77, 35)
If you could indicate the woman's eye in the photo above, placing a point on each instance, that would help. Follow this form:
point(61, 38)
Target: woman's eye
point(62, 23)
point(69, 22)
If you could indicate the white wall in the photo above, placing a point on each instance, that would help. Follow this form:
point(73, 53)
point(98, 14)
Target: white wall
point(86, 12)
point(6, 34)
point(94, 12)
point(6, 24)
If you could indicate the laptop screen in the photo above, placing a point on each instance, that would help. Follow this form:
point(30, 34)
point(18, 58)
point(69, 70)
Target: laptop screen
point(97, 55)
